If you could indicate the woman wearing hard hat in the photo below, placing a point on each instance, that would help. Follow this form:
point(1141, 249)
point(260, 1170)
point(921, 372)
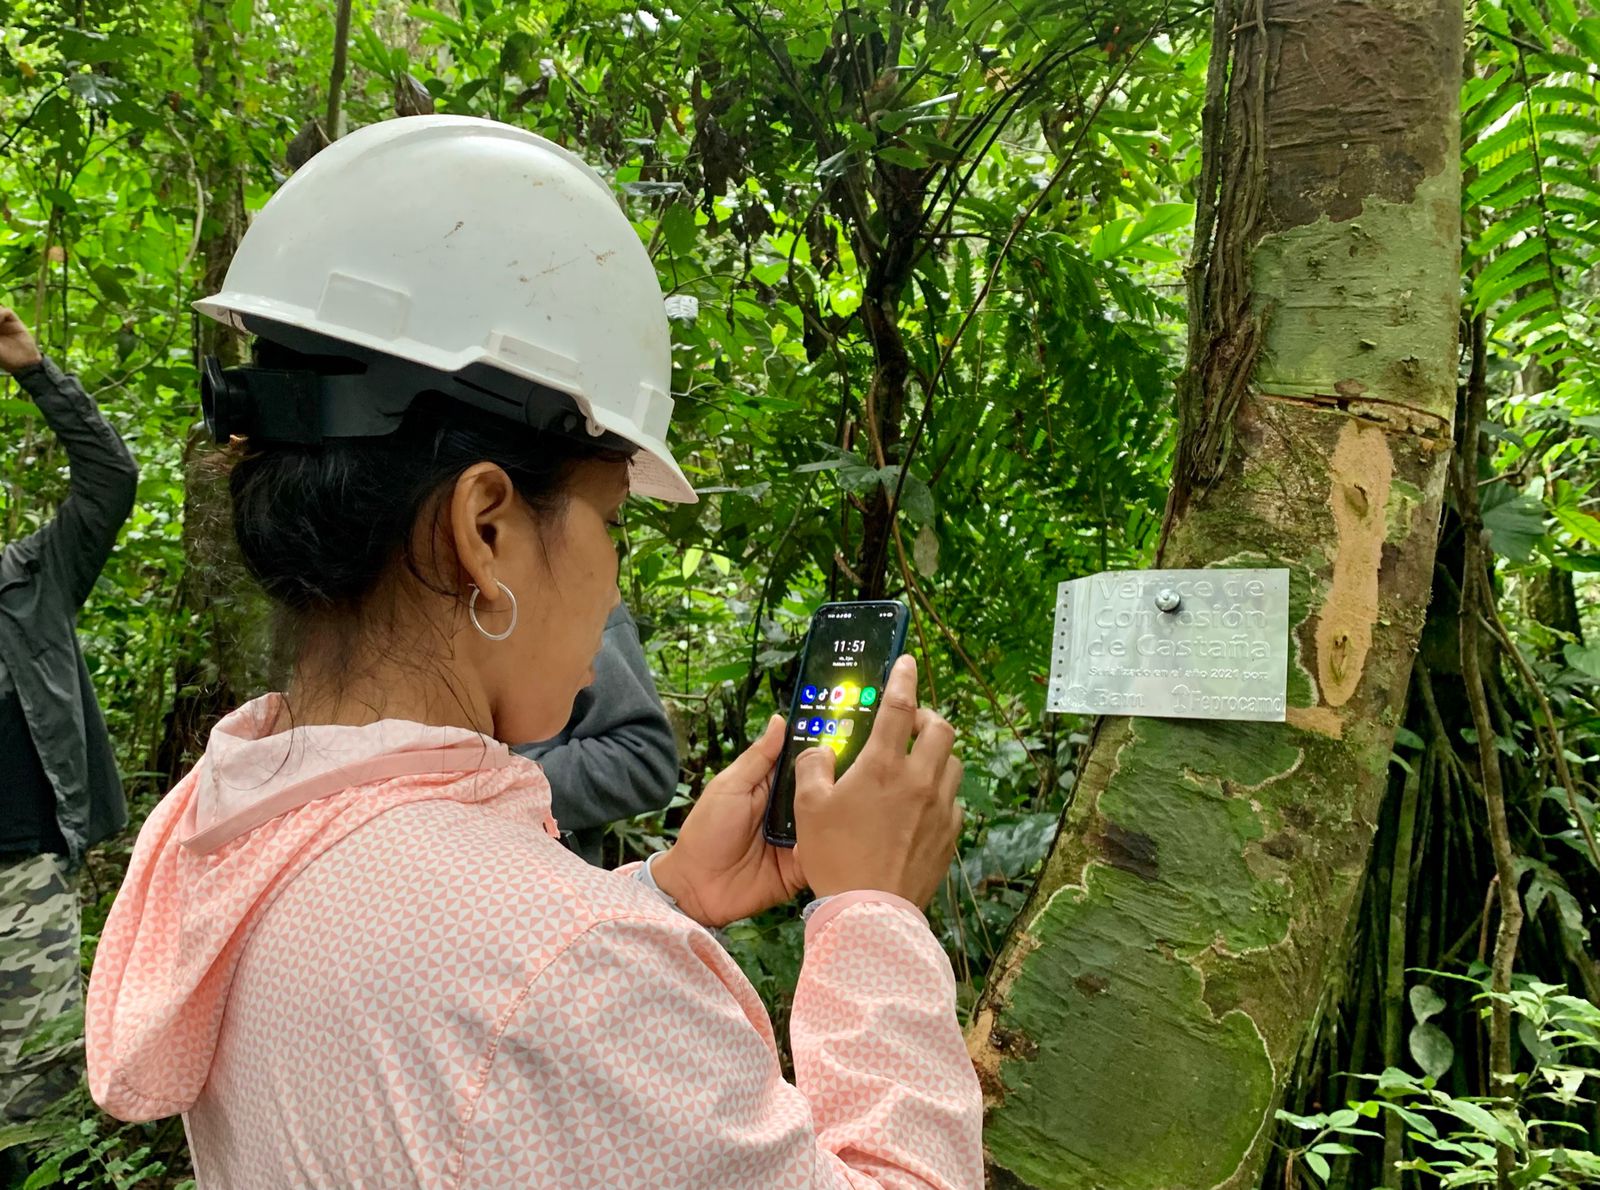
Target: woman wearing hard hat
point(350, 949)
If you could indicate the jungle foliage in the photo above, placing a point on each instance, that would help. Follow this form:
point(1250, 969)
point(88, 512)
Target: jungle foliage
point(935, 254)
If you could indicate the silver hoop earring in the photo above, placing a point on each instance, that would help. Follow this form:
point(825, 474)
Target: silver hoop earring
point(472, 613)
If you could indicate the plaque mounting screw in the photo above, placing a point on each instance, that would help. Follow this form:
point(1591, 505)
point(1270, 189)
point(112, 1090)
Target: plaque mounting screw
point(1168, 600)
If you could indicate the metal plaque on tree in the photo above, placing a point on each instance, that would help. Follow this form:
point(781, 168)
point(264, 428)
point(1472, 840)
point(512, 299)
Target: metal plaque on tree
point(1186, 644)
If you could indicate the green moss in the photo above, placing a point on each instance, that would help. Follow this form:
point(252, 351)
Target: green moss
point(1134, 1084)
point(1403, 500)
point(1393, 331)
point(1305, 593)
point(1117, 988)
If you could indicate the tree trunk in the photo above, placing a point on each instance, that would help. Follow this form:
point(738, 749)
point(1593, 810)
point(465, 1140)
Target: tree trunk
point(1138, 1027)
point(1549, 598)
point(232, 662)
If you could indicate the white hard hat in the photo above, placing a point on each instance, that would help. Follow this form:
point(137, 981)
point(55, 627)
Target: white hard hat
point(450, 242)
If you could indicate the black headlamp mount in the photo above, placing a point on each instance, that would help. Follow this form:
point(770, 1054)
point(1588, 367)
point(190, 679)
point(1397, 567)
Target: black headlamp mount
point(260, 404)
point(365, 394)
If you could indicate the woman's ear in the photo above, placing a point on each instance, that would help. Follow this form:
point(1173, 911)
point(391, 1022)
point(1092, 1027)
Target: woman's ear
point(481, 507)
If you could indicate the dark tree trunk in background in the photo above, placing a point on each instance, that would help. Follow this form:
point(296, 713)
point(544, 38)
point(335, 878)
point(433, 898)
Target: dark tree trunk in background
point(1551, 600)
point(1137, 1031)
point(232, 663)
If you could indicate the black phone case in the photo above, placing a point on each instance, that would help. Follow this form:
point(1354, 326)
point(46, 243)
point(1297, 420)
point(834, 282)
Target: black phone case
point(902, 621)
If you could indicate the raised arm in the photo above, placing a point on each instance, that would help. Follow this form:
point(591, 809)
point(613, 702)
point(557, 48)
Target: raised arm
point(70, 549)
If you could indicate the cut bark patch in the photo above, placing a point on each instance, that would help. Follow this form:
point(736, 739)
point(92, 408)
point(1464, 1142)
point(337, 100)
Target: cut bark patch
point(1322, 720)
point(1360, 474)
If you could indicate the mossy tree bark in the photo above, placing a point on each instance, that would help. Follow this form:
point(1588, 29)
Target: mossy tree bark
point(1137, 1029)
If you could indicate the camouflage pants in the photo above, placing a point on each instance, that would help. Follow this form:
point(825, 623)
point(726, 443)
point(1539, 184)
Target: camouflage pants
point(39, 982)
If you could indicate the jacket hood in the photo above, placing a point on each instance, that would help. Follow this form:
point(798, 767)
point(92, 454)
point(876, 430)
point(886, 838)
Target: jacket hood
point(213, 856)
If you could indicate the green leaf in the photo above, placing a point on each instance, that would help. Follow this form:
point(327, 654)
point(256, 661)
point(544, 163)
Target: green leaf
point(1584, 658)
point(12, 1135)
point(896, 155)
point(930, 146)
point(48, 1174)
point(109, 285)
point(1528, 1033)
point(1578, 523)
point(54, 1033)
point(806, 48)
point(1480, 1121)
point(1319, 1165)
point(1161, 219)
point(1304, 1123)
point(1432, 1050)
point(517, 52)
point(1533, 26)
point(1515, 521)
point(1108, 240)
point(844, 300)
point(1425, 1002)
point(925, 551)
point(1394, 1078)
point(96, 90)
point(916, 497)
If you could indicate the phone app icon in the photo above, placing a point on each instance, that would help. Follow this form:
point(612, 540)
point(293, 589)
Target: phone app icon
point(830, 726)
point(869, 695)
point(847, 728)
point(809, 694)
point(836, 695)
point(814, 727)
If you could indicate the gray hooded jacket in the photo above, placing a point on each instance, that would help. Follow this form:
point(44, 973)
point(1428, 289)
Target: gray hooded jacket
point(617, 757)
point(44, 580)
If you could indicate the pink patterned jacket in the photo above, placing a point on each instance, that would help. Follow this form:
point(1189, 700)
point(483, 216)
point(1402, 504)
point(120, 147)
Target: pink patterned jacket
point(357, 957)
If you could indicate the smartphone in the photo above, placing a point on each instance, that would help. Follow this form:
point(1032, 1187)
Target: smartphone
point(843, 667)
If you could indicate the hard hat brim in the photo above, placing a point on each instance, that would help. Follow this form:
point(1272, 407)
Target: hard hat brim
point(653, 472)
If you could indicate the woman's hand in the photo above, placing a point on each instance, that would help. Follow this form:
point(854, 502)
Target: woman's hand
point(891, 823)
point(17, 348)
point(722, 868)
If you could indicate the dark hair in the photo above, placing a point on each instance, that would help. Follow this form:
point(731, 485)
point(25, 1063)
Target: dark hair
point(319, 526)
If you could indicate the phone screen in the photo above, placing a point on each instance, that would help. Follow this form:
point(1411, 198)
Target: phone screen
point(846, 661)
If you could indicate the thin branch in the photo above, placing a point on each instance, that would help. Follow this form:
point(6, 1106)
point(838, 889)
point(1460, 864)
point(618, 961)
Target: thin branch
point(1556, 746)
point(1474, 594)
point(22, 125)
point(341, 51)
point(1394, 999)
point(1000, 259)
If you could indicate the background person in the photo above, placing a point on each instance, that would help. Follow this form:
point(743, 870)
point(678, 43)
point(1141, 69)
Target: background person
point(60, 793)
point(617, 757)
